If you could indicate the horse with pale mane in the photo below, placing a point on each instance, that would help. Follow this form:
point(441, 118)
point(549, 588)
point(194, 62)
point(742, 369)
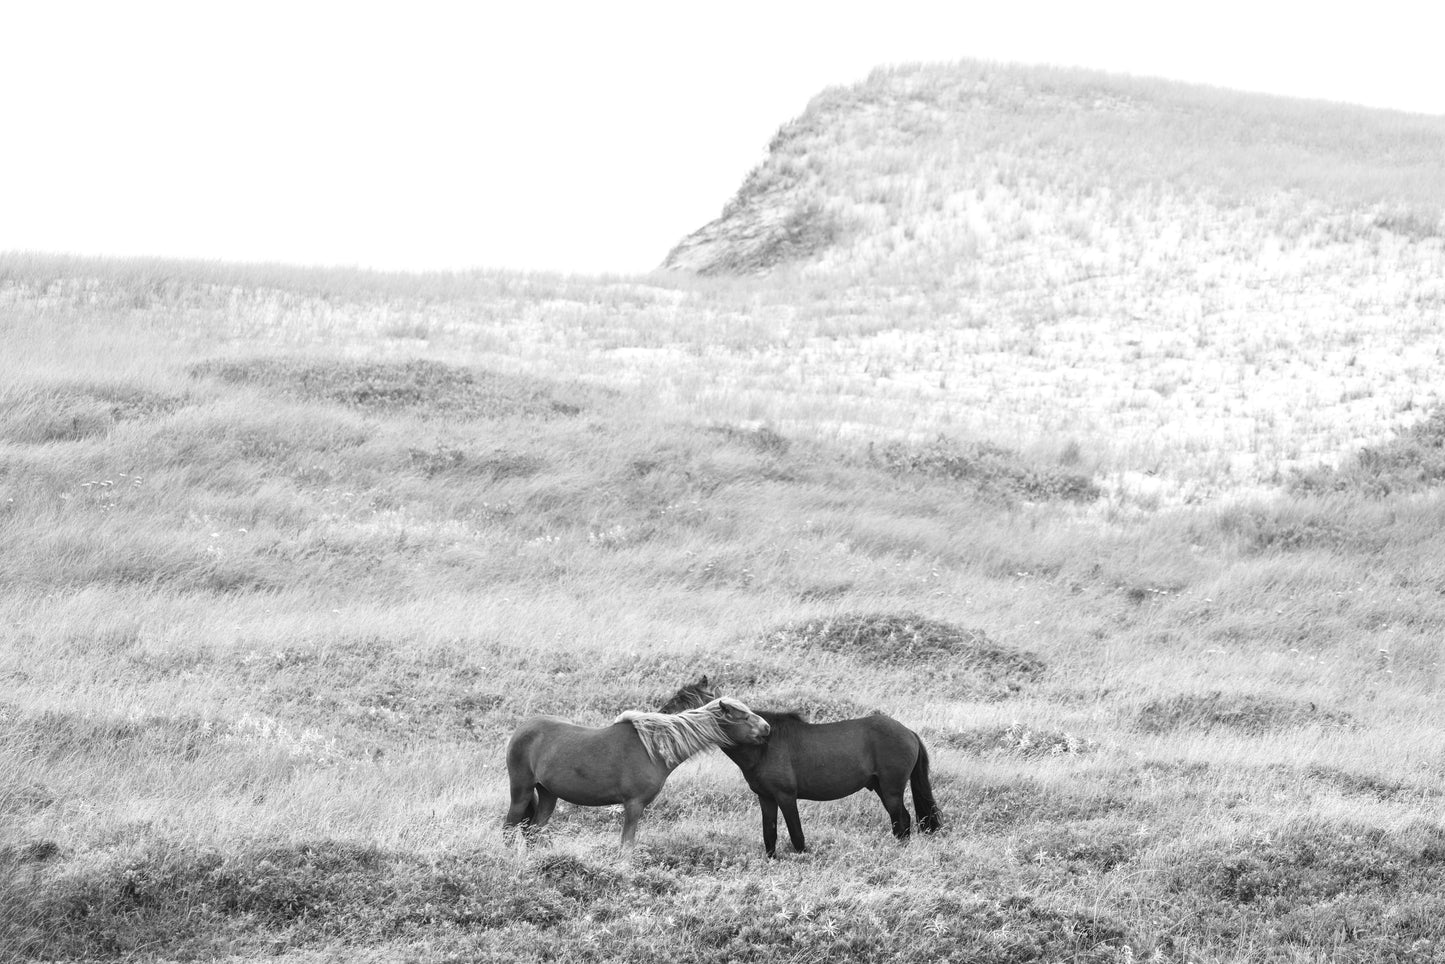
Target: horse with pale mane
point(549, 759)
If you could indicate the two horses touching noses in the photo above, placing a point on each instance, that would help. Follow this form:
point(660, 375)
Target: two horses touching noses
point(783, 758)
point(627, 762)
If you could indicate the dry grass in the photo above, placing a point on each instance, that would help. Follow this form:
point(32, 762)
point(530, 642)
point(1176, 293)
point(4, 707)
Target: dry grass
point(288, 554)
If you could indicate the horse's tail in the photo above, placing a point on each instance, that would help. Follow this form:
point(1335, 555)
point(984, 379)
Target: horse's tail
point(929, 819)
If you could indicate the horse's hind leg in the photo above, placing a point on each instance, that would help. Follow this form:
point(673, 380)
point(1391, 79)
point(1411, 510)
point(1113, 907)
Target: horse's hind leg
point(898, 813)
point(523, 808)
point(789, 806)
point(770, 824)
point(546, 803)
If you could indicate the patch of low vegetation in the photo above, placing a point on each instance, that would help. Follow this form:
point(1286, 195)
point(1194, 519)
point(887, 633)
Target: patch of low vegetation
point(989, 469)
point(453, 462)
point(63, 734)
point(964, 662)
point(1314, 890)
point(1016, 739)
point(71, 411)
point(1412, 461)
point(421, 387)
point(1018, 803)
point(1368, 785)
point(1098, 845)
point(762, 439)
point(1243, 712)
point(179, 901)
point(881, 924)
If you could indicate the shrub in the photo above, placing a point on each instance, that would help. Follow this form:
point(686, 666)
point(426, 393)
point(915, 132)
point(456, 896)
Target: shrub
point(965, 662)
point(427, 388)
point(1246, 712)
point(1414, 460)
point(990, 469)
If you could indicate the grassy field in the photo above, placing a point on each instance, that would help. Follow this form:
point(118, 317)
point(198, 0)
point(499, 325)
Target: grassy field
point(287, 554)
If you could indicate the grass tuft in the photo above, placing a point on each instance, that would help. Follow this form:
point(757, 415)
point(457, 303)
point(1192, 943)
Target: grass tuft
point(1244, 712)
point(990, 469)
point(427, 388)
point(964, 661)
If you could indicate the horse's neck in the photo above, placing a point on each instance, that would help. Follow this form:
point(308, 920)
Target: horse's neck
point(747, 756)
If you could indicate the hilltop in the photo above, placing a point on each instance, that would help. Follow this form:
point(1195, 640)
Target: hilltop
point(1204, 289)
point(926, 170)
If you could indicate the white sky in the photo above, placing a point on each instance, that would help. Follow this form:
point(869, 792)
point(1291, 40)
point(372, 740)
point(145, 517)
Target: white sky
point(584, 137)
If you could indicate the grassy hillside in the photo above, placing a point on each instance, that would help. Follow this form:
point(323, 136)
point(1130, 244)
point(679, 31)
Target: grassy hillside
point(287, 554)
point(1207, 287)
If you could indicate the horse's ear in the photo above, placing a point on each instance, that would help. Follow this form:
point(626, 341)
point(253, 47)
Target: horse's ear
point(703, 680)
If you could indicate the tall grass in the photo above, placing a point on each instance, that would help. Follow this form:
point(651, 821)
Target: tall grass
point(287, 554)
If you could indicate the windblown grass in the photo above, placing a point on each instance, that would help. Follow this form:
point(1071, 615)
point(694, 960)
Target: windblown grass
point(287, 554)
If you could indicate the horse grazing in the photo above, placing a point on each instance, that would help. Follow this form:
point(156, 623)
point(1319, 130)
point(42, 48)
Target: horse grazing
point(626, 763)
point(826, 761)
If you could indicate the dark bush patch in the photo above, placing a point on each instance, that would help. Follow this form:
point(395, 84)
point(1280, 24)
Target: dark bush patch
point(1412, 461)
point(988, 468)
point(427, 388)
point(1292, 526)
point(1245, 712)
point(964, 663)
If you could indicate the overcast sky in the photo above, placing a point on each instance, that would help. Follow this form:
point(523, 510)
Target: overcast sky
point(584, 137)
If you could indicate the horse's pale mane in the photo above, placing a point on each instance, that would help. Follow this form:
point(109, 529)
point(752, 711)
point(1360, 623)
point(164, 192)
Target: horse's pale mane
point(670, 738)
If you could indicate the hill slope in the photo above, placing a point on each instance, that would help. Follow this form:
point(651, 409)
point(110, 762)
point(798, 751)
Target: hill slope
point(1192, 283)
point(920, 167)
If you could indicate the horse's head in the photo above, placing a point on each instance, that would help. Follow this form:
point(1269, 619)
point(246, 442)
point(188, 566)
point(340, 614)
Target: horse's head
point(690, 697)
point(741, 724)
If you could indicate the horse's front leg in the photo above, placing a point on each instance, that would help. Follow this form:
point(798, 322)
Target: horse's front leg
point(789, 806)
point(631, 817)
point(770, 824)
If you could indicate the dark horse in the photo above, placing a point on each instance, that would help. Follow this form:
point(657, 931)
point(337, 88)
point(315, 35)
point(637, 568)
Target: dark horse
point(826, 761)
point(626, 763)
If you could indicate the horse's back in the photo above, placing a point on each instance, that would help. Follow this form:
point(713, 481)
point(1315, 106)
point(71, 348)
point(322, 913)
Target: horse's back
point(540, 740)
point(876, 728)
point(831, 760)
